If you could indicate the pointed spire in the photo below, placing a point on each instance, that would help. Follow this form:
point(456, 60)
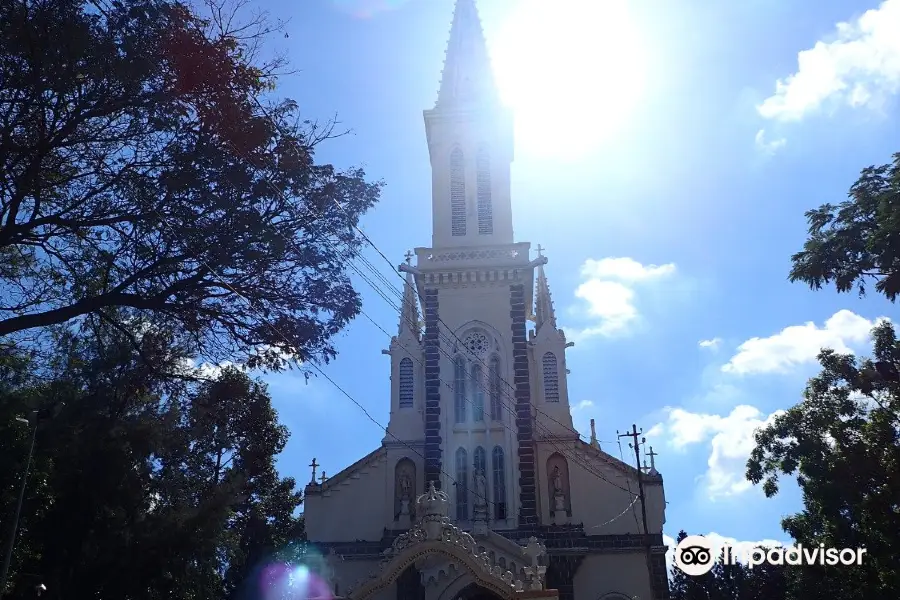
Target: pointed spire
point(543, 302)
point(409, 315)
point(594, 442)
point(467, 77)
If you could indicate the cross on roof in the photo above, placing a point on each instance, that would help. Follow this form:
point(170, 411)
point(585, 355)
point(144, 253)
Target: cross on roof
point(652, 456)
point(323, 478)
point(314, 465)
point(540, 249)
point(534, 550)
point(408, 256)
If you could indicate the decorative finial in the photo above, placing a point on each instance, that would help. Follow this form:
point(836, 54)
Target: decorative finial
point(540, 249)
point(594, 441)
point(314, 466)
point(408, 256)
point(323, 478)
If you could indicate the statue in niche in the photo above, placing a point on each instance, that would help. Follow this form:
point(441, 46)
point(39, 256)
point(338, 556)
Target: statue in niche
point(405, 486)
point(559, 496)
point(480, 488)
point(404, 494)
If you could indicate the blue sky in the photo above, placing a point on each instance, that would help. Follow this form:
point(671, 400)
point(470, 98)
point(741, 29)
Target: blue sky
point(668, 217)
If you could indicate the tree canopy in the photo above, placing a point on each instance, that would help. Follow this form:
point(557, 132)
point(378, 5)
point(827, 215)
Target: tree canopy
point(842, 442)
point(856, 242)
point(143, 167)
point(142, 486)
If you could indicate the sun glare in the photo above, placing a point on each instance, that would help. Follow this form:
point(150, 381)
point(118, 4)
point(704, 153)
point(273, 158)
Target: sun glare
point(571, 70)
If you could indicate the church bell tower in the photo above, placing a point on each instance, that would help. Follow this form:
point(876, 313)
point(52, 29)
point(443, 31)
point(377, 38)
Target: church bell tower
point(465, 380)
point(470, 141)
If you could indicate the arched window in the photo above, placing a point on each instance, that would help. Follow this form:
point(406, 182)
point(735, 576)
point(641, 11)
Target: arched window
point(483, 183)
point(477, 393)
point(499, 483)
point(462, 478)
point(495, 387)
point(457, 193)
point(459, 390)
point(551, 378)
point(406, 383)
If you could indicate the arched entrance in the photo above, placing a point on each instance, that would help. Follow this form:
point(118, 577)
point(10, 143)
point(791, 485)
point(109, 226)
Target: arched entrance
point(434, 538)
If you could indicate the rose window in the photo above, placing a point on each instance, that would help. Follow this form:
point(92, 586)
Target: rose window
point(477, 343)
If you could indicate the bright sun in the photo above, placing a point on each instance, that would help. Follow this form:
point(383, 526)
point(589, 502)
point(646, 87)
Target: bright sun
point(571, 70)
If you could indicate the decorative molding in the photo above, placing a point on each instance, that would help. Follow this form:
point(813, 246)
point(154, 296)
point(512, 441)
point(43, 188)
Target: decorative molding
point(434, 534)
point(512, 255)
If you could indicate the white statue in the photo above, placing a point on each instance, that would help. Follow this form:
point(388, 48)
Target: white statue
point(557, 481)
point(559, 498)
point(405, 486)
point(480, 488)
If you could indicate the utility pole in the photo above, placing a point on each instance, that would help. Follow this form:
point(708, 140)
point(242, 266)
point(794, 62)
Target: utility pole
point(636, 444)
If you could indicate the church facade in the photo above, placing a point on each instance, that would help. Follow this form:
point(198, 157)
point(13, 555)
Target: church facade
point(481, 487)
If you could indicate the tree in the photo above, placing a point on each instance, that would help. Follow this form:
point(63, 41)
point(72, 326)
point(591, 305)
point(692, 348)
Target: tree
point(843, 444)
point(144, 486)
point(857, 241)
point(731, 582)
point(142, 169)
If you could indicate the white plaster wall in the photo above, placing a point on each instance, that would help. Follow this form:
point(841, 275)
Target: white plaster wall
point(352, 509)
point(349, 573)
point(458, 308)
point(597, 503)
point(601, 574)
point(469, 131)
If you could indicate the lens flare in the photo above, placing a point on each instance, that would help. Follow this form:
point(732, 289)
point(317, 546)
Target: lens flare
point(290, 582)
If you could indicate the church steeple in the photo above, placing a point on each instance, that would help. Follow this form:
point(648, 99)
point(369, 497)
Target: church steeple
point(543, 302)
point(467, 78)
point(470, 141)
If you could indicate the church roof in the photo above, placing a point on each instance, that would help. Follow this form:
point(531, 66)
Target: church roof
point(467, 77)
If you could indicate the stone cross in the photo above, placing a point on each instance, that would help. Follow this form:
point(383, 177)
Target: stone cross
point(314, 465)
point(323, 479)
point(534, 572)
point(540, 249)
point(652, 456)
point(534, 550)
point(408, 256)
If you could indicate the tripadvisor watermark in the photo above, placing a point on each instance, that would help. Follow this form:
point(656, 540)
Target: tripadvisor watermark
point(695, 555)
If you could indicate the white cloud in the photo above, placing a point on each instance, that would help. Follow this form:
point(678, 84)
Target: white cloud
point(712, 344)
point(731, 439)
point(655, 431)
point(624, 269)
point(584, 404)
point(768, 146)
point(609, 291)
point(800, 344)
point(858, 66)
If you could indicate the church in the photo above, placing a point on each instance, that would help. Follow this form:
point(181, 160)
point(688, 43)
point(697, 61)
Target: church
point(481, 487)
